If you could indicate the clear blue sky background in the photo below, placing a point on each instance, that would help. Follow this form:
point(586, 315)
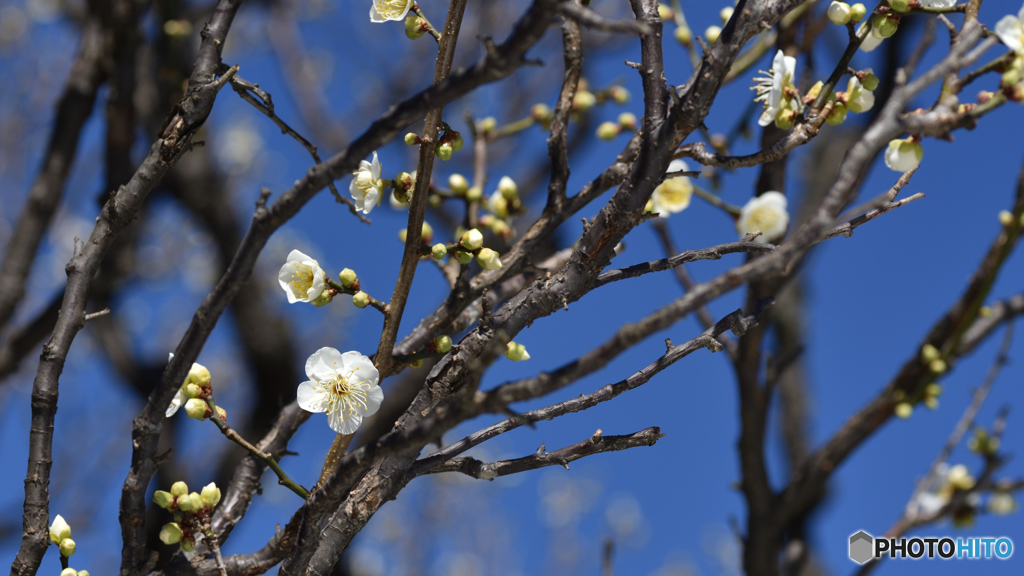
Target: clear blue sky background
point(871, 298)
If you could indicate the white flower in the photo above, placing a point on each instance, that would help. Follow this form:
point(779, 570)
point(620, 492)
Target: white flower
point(1002, 503)
point(839, 13)
point(937, 3)
point(858, 98)
point(903, 155)
point(367, 187)
point(766, 213)
point(771, 89)
point(673, 195)
point(935, 495)
point(384, 10)
point(301, 278)
point(1010, 29)
point(59, 530)
point(343, 385)
point(870, 41)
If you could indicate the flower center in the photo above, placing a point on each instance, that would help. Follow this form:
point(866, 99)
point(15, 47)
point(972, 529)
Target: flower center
point(345, 396)
point(302, 280)
point(763, 220)
point(676, 191)
point(390, 8)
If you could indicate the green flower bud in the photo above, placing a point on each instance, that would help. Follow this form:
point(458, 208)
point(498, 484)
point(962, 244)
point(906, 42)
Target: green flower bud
point(323, 299)
point(418, 363)
point(210, 495)
point(929, 353)
point(900, 5)
point(870, 81)
point(196, 408)
point(444, 150)
point(489, 259)
point(472, 239)
point(583, 101)
point(838, 114)
point(665, 12)
point(785, 119)
point(438, 251)
point(619, 94)
point(725, 14)
point(67, 547)
point(712, 34)
point(839, 13)
point(443, 343)
point(474, 194)
point(883, 27)
point(179, 488)
point(904, 410)
point(857, 12)
point(457, 142)
point(68, 572)
point(426, 233)
point(348, 277)
point(608, 130)
point(487, 124)
point(516, 352)
point(1005, 218)
point(198, 374)
point(405, 181)
point(412, 139)
point(414, 26)
point(434, 201)
point(458, 184)
point(464, 257)
point(222, 414)
point(188, 545)
point(192, 390)
point(59, 530)
point(627, 121)
point(360, 299)
point(501, 228)
point(184, 503)
point(541, 113)
point(163, 499)
point(684, 35)
point(83, 573)
point(508, 188)
point(197, 501)
point(938, 366)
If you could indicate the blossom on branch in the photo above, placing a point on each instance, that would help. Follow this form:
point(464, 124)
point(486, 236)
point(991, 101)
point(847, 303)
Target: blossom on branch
point(903, 155)
point(673, 195)
point(777, 90)
point(367, 188)
point(765, 213)
point(384, 10)
point(301, 278)
point(342, 385)
point(1010, 30)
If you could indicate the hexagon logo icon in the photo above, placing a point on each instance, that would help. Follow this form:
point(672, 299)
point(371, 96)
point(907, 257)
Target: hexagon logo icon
point(861, 545)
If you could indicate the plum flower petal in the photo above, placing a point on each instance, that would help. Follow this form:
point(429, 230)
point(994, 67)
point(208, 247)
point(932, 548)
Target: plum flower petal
point(771, 89)
point(367, 188)
point(384, 10)
point(765, 213)
point(301, 278)
point(673, 195)
point(342, 385)
point(1010, 30)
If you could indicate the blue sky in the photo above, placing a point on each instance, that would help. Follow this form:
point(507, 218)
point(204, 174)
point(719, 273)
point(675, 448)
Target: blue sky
point(871, 298)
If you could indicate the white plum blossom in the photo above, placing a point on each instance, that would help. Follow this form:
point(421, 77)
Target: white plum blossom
point(301, 278)
point(903, 155)
point(859, 99)
point(367, 187)
point(342, 385)
point(384, 10)
point(765, 213)
point(771, 89)
point(1010, 29)
point(673, 195)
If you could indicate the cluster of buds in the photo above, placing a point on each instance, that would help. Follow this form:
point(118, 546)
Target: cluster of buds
point(841, 13)
point(516, 352)
point(505, 200)
point(60, 535)
point(929, 395)
point(609, 130)
point(194, 393)
point(192, 513)
point(498, 226)
point(471, 244)
point(983, 443)
point(448, 143)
